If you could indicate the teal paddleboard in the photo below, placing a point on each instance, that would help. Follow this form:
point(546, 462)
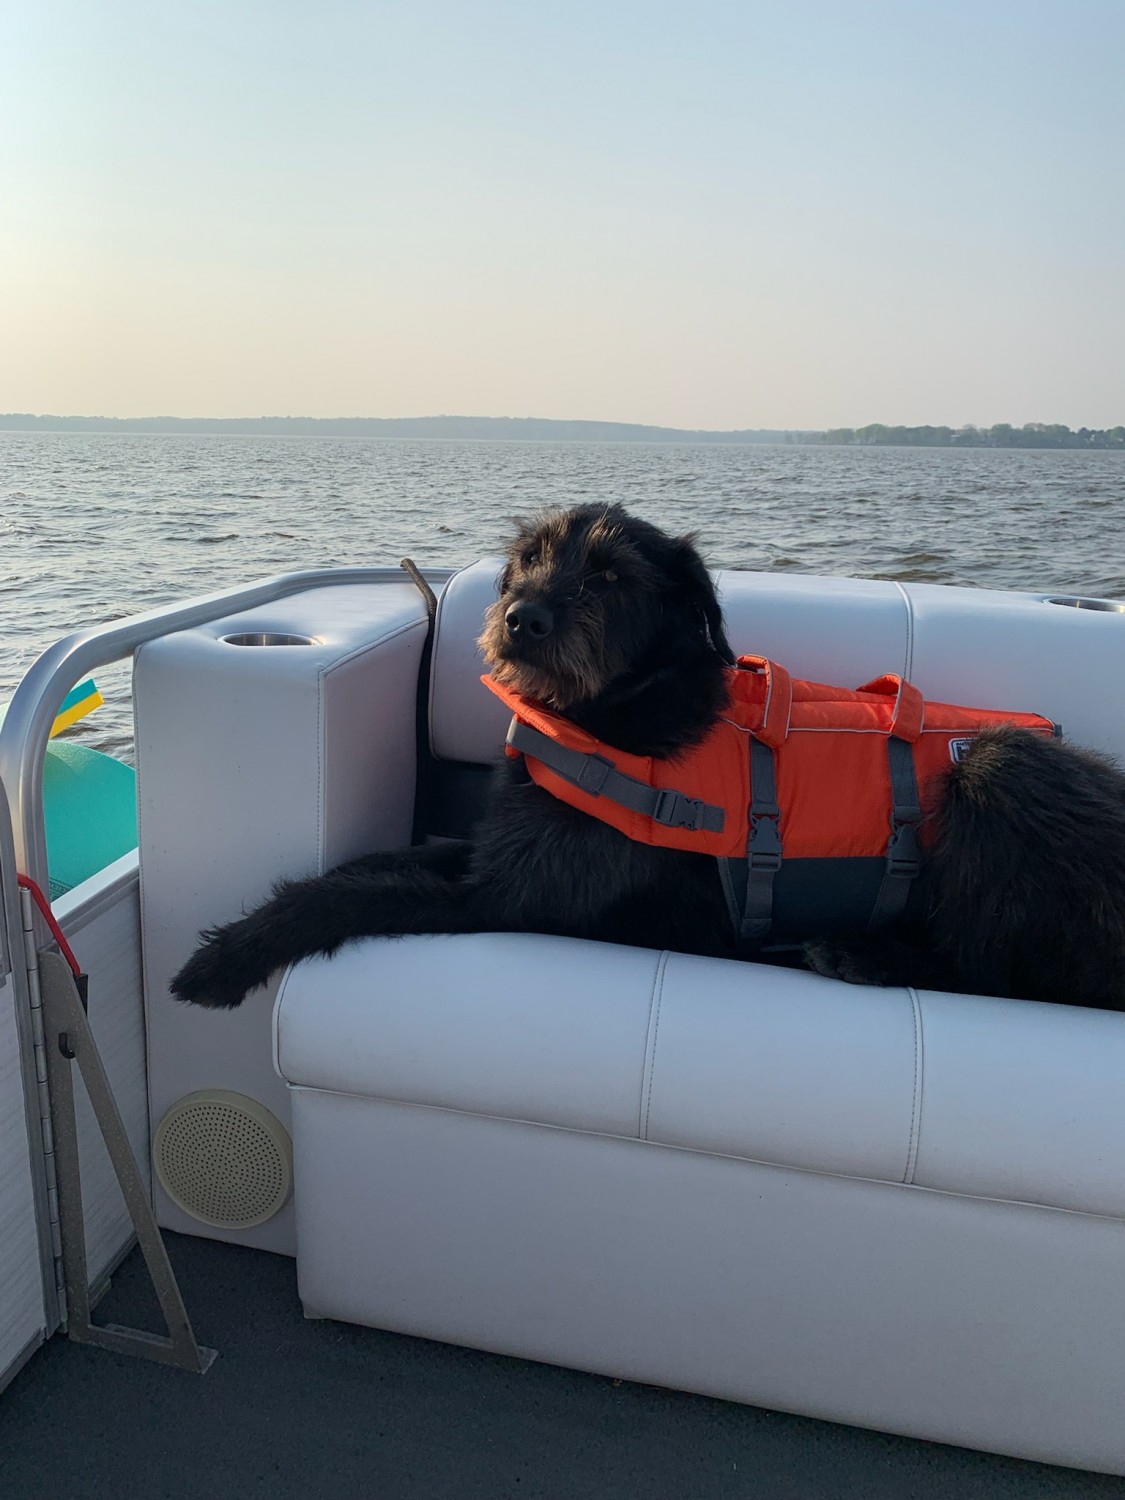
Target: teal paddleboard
point(89, 801)
point(90, 812)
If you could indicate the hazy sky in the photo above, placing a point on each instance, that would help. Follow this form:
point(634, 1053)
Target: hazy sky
point(785, 214)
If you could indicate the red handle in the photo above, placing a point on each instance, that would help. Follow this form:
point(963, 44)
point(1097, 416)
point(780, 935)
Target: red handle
point(910, 709)
point(779, 699)
point(49, 917)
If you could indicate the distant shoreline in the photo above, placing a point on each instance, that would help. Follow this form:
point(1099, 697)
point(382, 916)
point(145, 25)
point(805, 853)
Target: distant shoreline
point(535, 429)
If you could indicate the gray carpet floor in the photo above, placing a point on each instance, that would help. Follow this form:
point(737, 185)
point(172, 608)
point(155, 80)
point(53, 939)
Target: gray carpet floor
point(315, 1409)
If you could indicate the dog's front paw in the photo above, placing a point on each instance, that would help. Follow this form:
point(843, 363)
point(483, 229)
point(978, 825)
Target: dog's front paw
point(213, 976)
point(840, 960)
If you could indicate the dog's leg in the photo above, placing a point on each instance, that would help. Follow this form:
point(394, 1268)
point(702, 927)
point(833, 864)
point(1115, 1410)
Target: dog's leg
point(398, 891)
point(879, 958)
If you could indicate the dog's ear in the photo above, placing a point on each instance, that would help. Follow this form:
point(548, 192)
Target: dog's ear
point(691, 572)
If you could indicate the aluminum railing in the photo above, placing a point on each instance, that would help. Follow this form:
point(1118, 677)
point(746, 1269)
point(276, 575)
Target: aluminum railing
point(13, 963)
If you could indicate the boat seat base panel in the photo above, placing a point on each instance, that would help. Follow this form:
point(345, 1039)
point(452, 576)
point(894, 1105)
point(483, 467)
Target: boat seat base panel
point(895, 1308)
point(892, 1209)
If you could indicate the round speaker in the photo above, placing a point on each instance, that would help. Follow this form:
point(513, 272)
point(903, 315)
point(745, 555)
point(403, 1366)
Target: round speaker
point(224, 1159)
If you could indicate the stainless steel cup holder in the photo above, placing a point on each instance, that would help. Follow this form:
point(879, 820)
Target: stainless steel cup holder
point(267, 638)
point(1079, 601)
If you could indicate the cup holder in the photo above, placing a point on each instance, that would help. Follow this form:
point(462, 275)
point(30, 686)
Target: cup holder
point(267, 638)
point(1079, 601)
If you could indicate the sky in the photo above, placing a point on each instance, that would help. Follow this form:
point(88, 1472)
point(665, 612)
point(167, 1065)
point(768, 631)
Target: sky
point(771, 213)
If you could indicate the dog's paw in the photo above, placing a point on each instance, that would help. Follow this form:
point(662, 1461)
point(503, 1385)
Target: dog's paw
point(212, 976)
point(838, 960)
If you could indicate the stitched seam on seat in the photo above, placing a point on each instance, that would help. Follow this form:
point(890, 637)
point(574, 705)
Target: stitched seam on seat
point(373, 645)
point(916, 1104)
point(654, 1021)
point(908, 665)
point(277, 1025)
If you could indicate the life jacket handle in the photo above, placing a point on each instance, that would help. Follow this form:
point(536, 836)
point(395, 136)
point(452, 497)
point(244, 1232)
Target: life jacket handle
point(910, 708)
point(774, 729)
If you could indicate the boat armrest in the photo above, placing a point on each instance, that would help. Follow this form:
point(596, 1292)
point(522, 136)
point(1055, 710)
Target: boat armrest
point(257, 762)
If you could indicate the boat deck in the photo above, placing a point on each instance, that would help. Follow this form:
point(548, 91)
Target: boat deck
point(306, 1409)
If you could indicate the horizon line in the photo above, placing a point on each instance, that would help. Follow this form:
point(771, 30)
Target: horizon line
point(7, 417)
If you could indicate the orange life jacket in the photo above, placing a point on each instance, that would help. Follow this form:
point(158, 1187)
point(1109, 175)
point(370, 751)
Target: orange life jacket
point(793, 768)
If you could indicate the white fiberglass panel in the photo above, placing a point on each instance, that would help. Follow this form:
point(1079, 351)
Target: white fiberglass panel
point(22, 1318)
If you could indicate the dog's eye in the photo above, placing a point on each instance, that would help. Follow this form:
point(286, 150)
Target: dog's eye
point(610, 576)
point(531, 560)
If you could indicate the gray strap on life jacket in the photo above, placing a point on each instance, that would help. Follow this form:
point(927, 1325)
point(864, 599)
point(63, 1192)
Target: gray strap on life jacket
point(763, 848)
point(904, 853)
point(751, 909)
point(599, 777)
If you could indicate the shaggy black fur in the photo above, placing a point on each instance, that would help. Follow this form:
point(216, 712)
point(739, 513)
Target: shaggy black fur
point(616, 624)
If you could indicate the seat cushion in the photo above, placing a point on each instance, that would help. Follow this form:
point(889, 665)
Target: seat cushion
point(988, 1098)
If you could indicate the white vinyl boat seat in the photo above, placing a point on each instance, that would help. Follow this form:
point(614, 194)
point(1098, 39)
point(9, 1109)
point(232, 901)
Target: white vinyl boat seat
point(897, 1209)
point(894, 1208)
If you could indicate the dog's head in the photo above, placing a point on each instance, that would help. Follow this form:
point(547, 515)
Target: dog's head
point(591, 595)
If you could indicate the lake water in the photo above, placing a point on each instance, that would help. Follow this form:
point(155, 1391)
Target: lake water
point(97, 526)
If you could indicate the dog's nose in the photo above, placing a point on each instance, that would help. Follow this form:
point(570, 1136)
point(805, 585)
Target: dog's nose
point(529, 621)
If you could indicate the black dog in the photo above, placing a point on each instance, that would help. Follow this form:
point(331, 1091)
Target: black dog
point(608, 620)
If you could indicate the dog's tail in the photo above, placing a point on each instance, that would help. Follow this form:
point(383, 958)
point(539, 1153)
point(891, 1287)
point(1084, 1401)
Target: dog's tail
point(1028, 865)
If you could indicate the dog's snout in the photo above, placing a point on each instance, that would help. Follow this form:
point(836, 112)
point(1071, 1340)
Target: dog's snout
point(529, 622)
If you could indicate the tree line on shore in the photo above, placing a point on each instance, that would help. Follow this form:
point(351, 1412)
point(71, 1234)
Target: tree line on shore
point(1001, 435)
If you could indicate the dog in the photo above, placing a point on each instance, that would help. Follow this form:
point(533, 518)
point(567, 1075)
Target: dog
point(608, 620)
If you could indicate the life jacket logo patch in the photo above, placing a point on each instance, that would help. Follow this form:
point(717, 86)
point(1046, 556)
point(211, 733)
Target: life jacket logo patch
point(958, 749)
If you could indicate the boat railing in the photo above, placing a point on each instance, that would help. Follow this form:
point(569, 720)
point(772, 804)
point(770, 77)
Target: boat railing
point(26, 726)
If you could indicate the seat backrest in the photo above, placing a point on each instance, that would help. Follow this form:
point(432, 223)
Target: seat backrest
point(978, 647)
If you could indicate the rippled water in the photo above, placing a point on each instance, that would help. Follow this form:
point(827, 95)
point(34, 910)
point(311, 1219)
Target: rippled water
point(97, 526)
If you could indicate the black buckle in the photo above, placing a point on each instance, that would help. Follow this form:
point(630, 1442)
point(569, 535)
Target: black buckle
point(674, 810)
point(904, 853)
point(763, 848)
point(594, 774)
